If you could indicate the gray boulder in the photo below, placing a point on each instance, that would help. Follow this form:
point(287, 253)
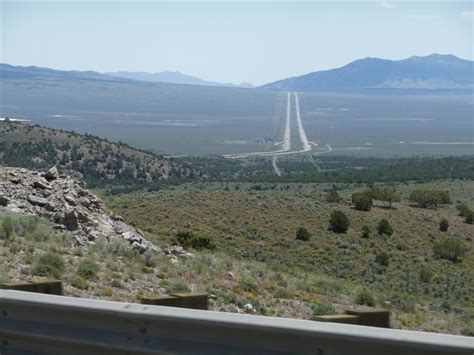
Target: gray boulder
point(52, 174)
point(3, 201)
point(36, 200)
point(70, 220)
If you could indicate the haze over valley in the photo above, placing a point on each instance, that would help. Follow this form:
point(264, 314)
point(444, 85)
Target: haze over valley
point(403, 121)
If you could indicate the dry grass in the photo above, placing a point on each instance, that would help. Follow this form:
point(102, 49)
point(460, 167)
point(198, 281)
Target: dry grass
point(259, 261)
point(260, 226)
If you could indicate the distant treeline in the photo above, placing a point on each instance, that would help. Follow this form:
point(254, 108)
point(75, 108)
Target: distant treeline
point(342, 169)
point(339, 170)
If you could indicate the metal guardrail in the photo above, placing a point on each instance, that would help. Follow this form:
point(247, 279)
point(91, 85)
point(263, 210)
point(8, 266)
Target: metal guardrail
point(38, 323)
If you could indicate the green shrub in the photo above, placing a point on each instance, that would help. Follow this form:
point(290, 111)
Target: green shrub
point(443, 225)
point(462, 209)
point(321, 309)
point(177, 287)
point(107, 292)
point(116, 283)
point(364, 297)
point(79, 282)
point(189, 240)
point(469, 331)
point(339, 222)
point(7, 227)
point(425, 274)
point(382, 258)
point(49, 265)
point(365, 231)
point(384, 227)
point(362, 201)
point(202, 242)
point(332, 196)
point(469, 217)
point(282, 292)
point(150, 259)
point(302, 234)
point(87, 269)
point(430, 198)
point(452, 249)
point(248, 285)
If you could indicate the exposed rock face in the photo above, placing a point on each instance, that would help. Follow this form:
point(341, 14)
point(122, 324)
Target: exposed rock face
point(67, 204)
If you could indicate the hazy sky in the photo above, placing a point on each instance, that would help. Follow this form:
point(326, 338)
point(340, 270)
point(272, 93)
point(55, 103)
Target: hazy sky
point(230, 41)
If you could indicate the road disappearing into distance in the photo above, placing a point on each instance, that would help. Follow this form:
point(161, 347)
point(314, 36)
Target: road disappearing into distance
point(306, 146)
point(303, 137)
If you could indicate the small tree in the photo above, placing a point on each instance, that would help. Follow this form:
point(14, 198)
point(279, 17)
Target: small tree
point(302, 234)
point(385, 194)
point(430, 198)
point(362, 201)
point(338, 222)
point(463, 209)
point(452, 249)
point(332, 196)
point(384, 227)
point(443, 225)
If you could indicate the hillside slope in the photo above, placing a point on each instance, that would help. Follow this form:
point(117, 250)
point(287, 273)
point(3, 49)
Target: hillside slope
point(433, 72)
point(259, 260)
point(96, 160)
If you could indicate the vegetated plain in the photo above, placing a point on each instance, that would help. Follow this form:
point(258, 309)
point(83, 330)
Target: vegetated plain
point(252, 230)
point(184, 119)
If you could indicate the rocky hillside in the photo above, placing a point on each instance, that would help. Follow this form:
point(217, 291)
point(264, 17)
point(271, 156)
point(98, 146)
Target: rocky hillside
point(96, 160)
point(66, 203)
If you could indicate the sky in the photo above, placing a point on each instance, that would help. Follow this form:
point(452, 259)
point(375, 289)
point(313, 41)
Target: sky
point(256, 42)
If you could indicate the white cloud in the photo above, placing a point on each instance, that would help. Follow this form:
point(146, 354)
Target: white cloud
point(386, 5)
point(468, 15)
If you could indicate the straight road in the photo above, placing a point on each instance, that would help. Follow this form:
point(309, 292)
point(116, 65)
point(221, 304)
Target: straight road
point(306, 146)
point(286, 146)
point(303, 137)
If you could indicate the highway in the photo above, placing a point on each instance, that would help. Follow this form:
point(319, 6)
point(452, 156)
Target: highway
point(306, 146)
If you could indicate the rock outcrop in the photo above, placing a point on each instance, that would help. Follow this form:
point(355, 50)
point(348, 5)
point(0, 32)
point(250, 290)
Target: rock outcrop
point(65, 201)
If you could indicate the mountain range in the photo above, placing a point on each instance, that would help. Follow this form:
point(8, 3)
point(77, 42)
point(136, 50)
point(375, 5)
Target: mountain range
point(433, 72)
point(173, 77)
point(8, 71)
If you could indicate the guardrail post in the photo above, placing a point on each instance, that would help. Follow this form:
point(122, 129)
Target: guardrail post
point(161, 300)
point(50, 287)
point(338, 318)
point(192, 300)
point(373, 317)
point(181, 300)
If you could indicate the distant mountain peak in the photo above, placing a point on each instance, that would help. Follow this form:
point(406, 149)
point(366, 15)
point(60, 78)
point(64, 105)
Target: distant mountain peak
point(173, 77)
point(434, 71)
